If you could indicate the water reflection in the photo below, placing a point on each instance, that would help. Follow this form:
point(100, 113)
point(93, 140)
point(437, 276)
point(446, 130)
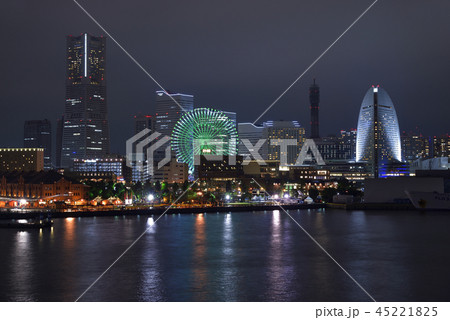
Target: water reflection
point(240, 256)
point(228, 274)
point(151, 284)
point(323, 269)
point(69, 234)
point(200, 271)
point(275, 272)
point(151, 225)
point(22, 265)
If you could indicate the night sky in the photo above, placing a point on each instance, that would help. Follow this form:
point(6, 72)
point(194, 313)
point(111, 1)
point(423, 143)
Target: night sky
point(232, 55)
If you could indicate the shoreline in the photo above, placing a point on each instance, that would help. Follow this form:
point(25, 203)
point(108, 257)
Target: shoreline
point(154, 211)
point(222, 209)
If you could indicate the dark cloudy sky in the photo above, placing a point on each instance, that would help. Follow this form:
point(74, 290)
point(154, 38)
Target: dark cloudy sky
point(233, 55)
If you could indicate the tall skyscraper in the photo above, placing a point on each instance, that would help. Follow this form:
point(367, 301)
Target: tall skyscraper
point(142, 122)
point(231, 116)
point(38, 134)
point(252, 133)
point(59, 139)
point(378, 134)
point(168, 112)
point(85, 128)
point(138, 158)
point(314, 99)
point(440, 146)
point(414, 146)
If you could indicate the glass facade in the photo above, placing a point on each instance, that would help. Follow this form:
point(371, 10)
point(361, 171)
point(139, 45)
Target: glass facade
point(85, 127)
point(250, 132)
point(378, 130)
point(277, 132)
point(38, 134)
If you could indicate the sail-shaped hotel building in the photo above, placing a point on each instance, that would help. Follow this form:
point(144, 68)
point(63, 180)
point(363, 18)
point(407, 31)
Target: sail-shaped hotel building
point(378, 136)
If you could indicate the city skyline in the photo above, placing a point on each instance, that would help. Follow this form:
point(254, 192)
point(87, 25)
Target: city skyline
point(342, 78)
point(226, 151)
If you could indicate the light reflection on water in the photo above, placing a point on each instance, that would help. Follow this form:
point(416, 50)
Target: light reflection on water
point(228, 274)
point(199, 267)
point(231, 257)
point(22, 268)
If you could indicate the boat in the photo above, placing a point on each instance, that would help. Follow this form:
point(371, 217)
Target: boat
point(429, 200)
point(24, 224)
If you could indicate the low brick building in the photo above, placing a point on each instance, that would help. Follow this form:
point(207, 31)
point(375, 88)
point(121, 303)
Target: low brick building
point(42, 185)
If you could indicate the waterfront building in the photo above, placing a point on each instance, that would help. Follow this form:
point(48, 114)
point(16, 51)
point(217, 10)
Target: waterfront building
point(278, 132)
point(219, 168)
point(250, 132)
point(392, 190)
point(45, 186)
point(297, 173)
point(85, 128)
point(270, 169)
point(439, 163)
point(378, 134)
point(355, 172)
point(338, 148)
point(314, 100)
point(112, 168)
point(175, 172)
point(21, 159)
point(38, 134)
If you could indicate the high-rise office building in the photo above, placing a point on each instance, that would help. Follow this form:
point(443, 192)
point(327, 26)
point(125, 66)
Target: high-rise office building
point(438, 146)
point(167, 114)
point(38, 134)
point(59, 138)
point(248, 131)
point(348, 140)
point(138, 162)
point(414, 146)
point(331, 148)
point(231, 116)
point(85, 129)
point(279, 132)
point(314, 99)
point(142, 122)
point(378, 134)
point(169, 109)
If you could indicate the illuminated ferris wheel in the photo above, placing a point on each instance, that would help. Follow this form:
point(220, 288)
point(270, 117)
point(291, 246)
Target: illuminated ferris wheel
point(203, 131)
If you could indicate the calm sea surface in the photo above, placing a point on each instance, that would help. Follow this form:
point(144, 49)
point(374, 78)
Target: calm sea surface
point(248, 256)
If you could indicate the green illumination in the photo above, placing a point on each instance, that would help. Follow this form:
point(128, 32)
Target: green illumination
point(203, 131)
